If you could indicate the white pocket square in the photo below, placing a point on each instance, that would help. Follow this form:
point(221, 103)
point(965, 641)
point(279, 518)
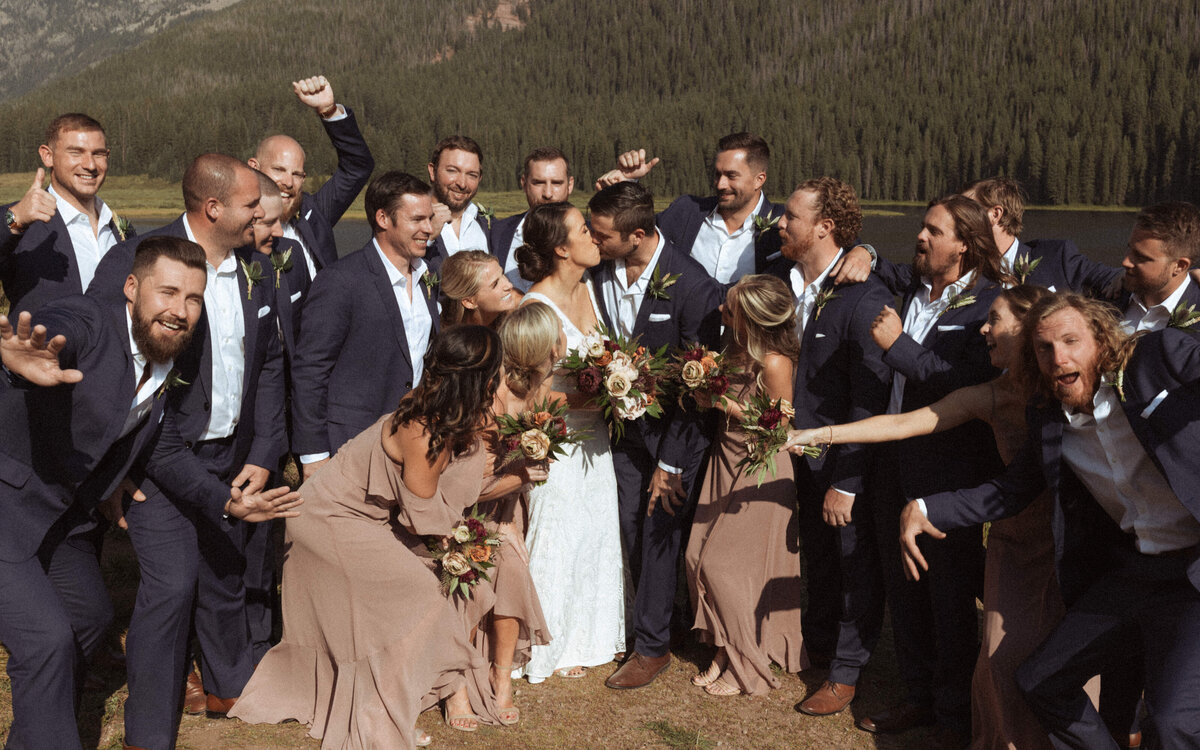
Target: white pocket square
point(262, 311)
point(951, 328)
point(773, 255)
point(819, 336)
point(659, 317)
point(1153, 405)
point(296, 296)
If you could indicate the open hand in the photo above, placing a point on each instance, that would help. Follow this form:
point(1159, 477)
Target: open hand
point(315, 92)
point(254, 507)
point(27, 353)
point(886, 328)
point(36, 205)
point(913, 523)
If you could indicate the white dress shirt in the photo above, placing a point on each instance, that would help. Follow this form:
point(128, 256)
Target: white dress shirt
point(919, 319)
point(290, 232)
point(510, 264)
point(1138, 317)
point(144, 398)
point(806, 296)
point(472, 237)
point(89, 246)
point(624, 299)
point(227, 339)
point(1104, 453)
point(418, 323)
point(1009, 260)
point(726, 256)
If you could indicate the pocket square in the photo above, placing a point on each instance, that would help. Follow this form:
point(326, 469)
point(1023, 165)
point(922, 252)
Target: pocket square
point(659, 317)
point(307, 215)
point(1153, 405)
point(262, 311)
point(773, 256)
point(296, 296)
point(951, 328)
point(819, 336)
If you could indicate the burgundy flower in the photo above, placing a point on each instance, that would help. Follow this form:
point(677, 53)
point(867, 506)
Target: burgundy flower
point(645, 383)
point(512, 443)
point(468, 577)
point(718, 385)
point(770, 418)
point(693, 355)
point(611, 346)
point(558, 426)
point(589, 381)
point(476, 528)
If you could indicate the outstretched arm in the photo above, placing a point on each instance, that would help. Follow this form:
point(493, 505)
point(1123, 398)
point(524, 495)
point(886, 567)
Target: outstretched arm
point(27, 353)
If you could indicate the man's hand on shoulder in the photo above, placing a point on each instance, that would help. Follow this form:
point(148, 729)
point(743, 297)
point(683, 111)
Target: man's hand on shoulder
point(36, 205)
point(316, 93)
point(853, 268)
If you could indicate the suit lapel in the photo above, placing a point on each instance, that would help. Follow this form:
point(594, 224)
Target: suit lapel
point(601, 274)
point(663, 268)
point(250, 303)
point(304, 228)
point(64, 247)
point(127, 390)
point(387, 296)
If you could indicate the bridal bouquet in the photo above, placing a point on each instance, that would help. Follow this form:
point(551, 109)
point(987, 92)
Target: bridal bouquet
point(622, 378)
point(464, 556)
point(536, 434)
point(698, 371)
point(766, 423)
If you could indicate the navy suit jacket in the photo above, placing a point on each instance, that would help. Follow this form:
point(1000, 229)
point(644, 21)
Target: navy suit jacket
point(352, 363)
point(1191, 296)
point(689, 316)
point(1060, 267)
point(952, 356)
point(681, 222)
point(38, 265)
point(436, 255)
point(260, 434)
point(289, 293)
point(841, 376)
point(501, 237)
point(1165, 363)
point(62, 451)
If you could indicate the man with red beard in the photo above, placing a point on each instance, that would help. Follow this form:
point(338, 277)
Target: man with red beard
point(84, 399)
point(455, 169)
point(1112, 433)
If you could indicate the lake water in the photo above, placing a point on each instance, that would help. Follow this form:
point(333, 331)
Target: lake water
point(1102, 235)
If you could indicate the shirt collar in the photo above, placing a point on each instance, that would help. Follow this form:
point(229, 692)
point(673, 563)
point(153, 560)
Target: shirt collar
point(395, 278)
point(133, 347)
point(69, 213)
point(798, 275)
point(228, 266)
point(1010, 255)
point(715, 219)
point(1102, 402)
point(642, 281)
point(958, 287)
point(1171, 302)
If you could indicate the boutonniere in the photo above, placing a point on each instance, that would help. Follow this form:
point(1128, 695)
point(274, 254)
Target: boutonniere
point(282, 263)
point(959, 300)
point(487, 213)
point(173, 379)
point(254, 274)
point(821, 300)
point(123, 226)
point(765, 223)
point(430, 280)
point(659, 284)
point(1117, 381)
point(1023, 268)
point(1184, 316)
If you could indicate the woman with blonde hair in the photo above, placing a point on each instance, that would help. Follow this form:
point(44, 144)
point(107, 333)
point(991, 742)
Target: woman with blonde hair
point(475, 290)
point(743, 566)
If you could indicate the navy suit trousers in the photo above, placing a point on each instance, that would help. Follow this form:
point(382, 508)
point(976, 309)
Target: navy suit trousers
point(54, 610)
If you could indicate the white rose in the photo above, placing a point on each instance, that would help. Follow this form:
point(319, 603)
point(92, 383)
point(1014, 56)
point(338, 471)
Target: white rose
point(617, 384)
point(630, 407)
point(593, 345)
point(462, 534)
point(692, 373)
point(535, 445)
point(456, 563)
point(623, 369)
point(622, 359)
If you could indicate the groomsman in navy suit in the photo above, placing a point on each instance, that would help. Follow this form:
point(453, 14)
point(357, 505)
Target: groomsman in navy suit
point(85, 397)
point(1162, 247)
point(545, 178)
point(732, 233)
point(52, 240)
point(649, 289)
point(1112, 434)
point(308, 219)
point(455, 169)
point(232, 420)
point(936, 348)
point(841, 378)
point(367, 324)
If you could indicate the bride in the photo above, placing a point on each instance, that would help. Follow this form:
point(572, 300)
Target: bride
point(573, 533)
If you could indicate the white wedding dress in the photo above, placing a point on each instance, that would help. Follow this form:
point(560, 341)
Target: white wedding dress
point(574, 543)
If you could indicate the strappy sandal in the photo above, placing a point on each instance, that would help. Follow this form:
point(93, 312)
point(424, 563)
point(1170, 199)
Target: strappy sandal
point(510, 715)
point(472, 727)
point(708, 676)
point(720, 687)
point(424, 739)
point(570, 673)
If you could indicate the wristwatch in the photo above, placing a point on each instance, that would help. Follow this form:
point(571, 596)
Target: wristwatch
point(10, 221)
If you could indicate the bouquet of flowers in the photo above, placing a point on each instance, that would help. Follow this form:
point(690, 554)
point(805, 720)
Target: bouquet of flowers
point(621, 377)
point(464, 555)
point(536, 434)
point(700, 371)
point(766, 422)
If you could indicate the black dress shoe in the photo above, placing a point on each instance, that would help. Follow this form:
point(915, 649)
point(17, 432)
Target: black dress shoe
point(897, 719)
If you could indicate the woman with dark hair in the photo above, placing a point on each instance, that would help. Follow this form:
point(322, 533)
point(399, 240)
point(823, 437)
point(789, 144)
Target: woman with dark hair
point(574, 534)
point(743, 570)
point(1021, 600)
point(369, 639)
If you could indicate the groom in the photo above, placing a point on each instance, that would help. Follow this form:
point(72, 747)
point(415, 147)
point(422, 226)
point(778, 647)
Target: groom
point(650, 289)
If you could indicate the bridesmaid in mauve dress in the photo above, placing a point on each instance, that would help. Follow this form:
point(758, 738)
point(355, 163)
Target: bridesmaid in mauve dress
point(367, 633)
point(743, 561)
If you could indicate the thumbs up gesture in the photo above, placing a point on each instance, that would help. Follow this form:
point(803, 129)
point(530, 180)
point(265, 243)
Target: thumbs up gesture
point(36, 205)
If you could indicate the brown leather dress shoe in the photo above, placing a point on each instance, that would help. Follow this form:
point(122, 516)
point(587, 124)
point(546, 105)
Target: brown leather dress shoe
point(638, 671)
point(218, 708)
point(830, 699)
point(193, 694)
point(897, 719)
point(131, 747)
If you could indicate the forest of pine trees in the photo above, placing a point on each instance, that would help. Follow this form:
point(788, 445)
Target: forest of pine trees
point(1084, 101)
